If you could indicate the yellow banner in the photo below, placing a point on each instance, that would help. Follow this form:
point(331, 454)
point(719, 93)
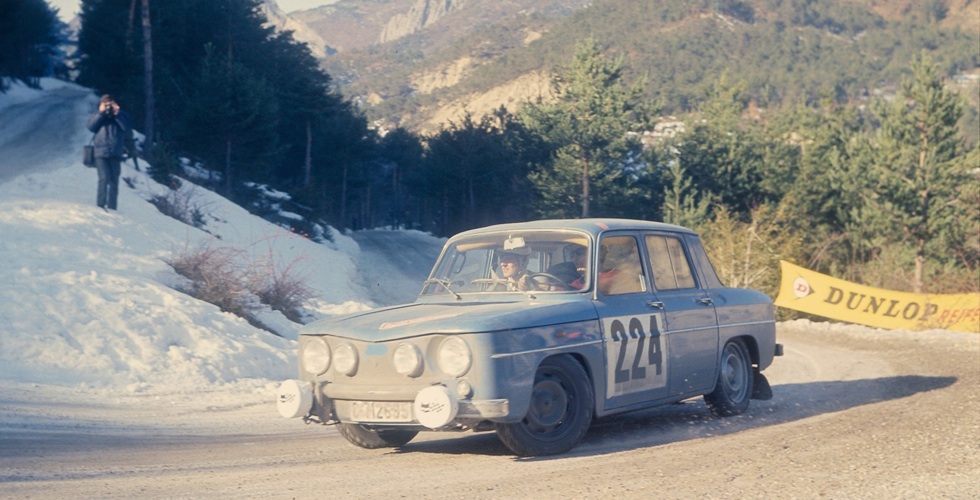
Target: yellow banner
point(811, 292)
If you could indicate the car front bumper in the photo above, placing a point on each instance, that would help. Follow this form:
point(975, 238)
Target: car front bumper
point(433, 407)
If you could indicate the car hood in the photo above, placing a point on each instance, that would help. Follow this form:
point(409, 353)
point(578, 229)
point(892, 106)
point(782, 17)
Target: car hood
point(412, 320)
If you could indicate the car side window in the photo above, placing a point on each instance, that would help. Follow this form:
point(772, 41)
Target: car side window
point(620, 270)
point(668, 263)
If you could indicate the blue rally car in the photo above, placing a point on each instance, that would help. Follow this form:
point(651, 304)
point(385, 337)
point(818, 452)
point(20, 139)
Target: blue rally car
point(534, 329)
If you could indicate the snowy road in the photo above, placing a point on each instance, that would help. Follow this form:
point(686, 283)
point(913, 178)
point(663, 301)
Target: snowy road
point(858, 413)
point(393, 264)
point(37, 136)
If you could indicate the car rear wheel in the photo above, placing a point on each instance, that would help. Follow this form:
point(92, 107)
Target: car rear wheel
point(734, 387)
point(373, 439)
point(560, 412)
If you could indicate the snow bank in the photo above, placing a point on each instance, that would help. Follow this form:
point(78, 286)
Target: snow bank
point(87, 299)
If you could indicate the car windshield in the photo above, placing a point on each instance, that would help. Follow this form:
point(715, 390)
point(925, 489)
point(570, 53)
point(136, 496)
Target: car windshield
point(518, 261)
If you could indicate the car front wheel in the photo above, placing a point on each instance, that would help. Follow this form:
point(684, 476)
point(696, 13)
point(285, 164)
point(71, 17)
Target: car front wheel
point(373, 439)
point(733, 389)
point(560, 412)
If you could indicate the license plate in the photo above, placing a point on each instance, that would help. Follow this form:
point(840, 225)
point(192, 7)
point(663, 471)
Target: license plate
point(380, 411)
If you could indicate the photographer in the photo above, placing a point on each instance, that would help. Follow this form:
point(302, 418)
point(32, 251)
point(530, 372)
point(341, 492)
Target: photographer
point(110, 125)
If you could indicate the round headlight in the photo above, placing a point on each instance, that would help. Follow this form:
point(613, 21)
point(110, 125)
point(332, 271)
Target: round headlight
point(407, 360)
point(316, 356)
point(454, 357)
point(345, 359)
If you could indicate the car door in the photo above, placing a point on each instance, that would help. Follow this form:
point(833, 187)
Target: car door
point(691, 325)
point(634, 349)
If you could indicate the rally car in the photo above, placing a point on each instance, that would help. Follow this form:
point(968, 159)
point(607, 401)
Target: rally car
point(534, 329)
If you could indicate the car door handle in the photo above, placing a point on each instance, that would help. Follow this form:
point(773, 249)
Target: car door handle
point(656, 305)
point(706, 301)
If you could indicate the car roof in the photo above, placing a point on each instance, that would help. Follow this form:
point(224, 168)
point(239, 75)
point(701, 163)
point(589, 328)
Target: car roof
point(593, 226)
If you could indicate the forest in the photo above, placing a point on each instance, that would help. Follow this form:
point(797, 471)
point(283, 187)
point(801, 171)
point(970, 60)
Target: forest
point(878, 189)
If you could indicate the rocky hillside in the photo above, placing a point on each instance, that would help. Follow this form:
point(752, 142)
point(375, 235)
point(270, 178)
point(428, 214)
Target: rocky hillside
point(423, 14)
point(301, 32)
point(420, 63)
point(349, 25)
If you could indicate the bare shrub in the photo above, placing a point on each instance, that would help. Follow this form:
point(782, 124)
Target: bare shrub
point(180, 206)
point(224, 277)
point(215, 277)
point(282, 290)
point(747, 254)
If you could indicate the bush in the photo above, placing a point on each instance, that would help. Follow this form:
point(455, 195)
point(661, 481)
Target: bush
point(283, 291)
point(747, 255)
point(165, 166)
point(215, 278)
point(225, 278)
point(180, 206)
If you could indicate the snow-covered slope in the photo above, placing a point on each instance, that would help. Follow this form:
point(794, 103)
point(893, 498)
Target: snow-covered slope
point(87, 300)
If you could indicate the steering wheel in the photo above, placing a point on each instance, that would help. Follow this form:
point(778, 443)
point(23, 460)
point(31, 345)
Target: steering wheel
point(549, 280)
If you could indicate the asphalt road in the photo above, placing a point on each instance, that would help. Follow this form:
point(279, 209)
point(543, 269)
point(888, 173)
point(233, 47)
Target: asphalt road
point(857, 413)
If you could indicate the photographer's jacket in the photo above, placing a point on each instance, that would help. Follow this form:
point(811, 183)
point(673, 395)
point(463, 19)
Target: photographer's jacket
point(111, 133)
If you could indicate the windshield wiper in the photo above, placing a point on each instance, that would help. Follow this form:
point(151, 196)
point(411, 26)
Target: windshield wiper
point(445, 284)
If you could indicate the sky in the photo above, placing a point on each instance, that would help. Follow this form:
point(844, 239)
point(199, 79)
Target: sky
point(294, 5)
point(88, 304)
point(67, 9)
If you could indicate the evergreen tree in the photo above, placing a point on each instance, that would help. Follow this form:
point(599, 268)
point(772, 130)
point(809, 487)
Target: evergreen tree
point(826, 192)
point(591, 127)
point(28, 41)
point(920, 168)
point(344, 168)
point(229, 121)
point(474, 174)
point(403, 151)
point(304, 95)
point(216, 61)
point(683, 205)
point(726, 156)
point(108, 62)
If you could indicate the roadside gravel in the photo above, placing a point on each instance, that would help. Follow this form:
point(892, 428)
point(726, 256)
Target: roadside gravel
point(857, 413)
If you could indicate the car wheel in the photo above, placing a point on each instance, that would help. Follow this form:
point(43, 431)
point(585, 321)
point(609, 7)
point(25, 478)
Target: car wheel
point(560, 411)
point(734, 387)
point(373, 439)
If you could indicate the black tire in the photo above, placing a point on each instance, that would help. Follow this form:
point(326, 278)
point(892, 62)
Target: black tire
point(734, 387)
point(560, 413)
point(373, 439)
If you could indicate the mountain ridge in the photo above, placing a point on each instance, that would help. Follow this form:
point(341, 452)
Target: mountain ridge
point(457, 56)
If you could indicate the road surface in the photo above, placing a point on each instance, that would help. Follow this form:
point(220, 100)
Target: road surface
point(857, 413)
point(38, 135)
point(394, 264)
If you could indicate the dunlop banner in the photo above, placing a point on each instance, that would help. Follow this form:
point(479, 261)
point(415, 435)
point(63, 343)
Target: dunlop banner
point(811, 292)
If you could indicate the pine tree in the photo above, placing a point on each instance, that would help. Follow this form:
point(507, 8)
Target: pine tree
point(724, 155)
point(472, 168)
point(592, 128)
point(215, 61)
point(230, 121)
point(683, 205)
point(920, 167)
point(28, 41)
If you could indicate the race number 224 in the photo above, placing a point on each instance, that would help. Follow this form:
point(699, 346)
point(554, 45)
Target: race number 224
point(636, 353)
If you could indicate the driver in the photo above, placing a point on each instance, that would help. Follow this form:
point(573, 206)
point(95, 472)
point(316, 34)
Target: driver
point(513, 265)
